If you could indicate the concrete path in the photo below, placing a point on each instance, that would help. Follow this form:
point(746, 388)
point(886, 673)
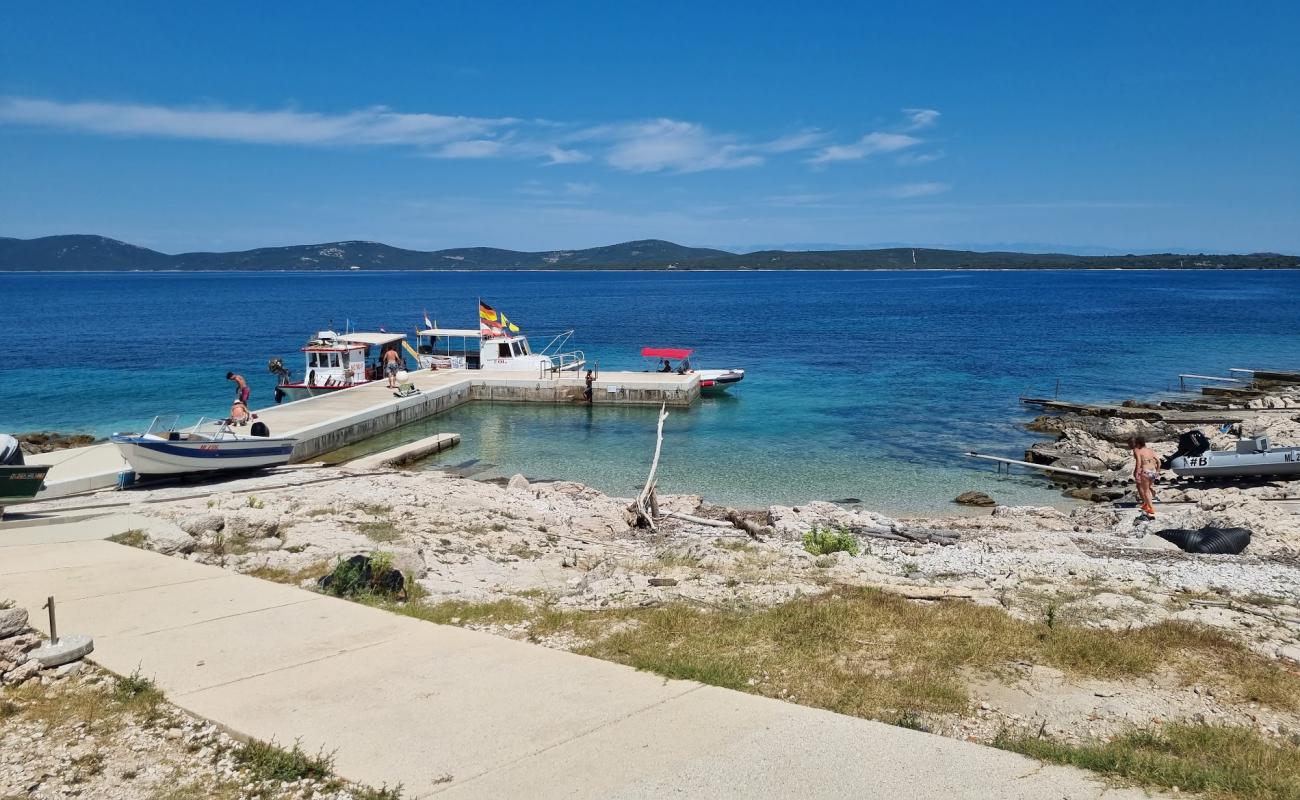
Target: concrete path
point(464, 714)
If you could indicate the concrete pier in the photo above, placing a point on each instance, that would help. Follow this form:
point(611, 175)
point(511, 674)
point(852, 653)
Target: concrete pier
point(326, 423)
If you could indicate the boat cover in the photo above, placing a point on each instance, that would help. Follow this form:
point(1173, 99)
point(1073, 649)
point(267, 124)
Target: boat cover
point(675, 353)
point(11, 452)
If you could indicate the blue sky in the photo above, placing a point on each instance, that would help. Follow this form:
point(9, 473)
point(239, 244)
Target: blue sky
point(182, 126)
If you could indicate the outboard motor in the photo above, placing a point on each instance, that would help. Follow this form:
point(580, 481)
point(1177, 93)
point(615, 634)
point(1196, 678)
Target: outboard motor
point(1191, 443)
point(11, 452)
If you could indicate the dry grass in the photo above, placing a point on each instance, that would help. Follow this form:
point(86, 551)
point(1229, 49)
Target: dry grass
point(866, 653)
point(98, 707)
point(132, 538)
point(294, 577)
point(380, 532)
point(1222, 763)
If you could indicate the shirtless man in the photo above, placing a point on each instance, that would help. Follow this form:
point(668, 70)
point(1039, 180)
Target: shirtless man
point(241, 387)
point(392, 362)
point(1146, 469)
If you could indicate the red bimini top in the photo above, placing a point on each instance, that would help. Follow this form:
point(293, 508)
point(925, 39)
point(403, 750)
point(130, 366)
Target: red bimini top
point(677, 353)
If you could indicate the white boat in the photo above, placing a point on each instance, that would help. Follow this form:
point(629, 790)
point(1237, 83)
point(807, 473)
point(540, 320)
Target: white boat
point(497, 344)
point(208, 446)
point(712, 381)
point(335, 361)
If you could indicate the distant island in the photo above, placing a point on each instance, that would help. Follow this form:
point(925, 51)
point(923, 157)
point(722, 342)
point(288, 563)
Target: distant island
point(96, 253)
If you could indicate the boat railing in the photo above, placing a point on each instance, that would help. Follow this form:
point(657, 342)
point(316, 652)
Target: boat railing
point(558, 363)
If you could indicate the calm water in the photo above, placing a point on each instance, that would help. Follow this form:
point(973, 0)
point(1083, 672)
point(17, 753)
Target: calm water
point(864, 385)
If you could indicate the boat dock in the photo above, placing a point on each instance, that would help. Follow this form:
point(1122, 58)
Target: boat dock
point(328, 422)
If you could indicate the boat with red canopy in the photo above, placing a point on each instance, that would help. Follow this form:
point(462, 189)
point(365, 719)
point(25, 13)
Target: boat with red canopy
point(712, 381)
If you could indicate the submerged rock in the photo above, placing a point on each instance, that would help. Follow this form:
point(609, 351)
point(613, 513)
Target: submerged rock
point(974, 498)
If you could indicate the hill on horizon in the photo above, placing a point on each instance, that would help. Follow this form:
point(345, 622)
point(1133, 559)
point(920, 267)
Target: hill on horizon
point(84, 252)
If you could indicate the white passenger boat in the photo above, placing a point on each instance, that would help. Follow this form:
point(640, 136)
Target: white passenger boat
point(712, 381)
point(335, 361)
point(208, 446)
point(497, 344)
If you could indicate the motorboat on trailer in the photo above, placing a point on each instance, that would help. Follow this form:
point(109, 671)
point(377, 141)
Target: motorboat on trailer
point(1253, 456)
point(19, 482)
point(496, 345)
point(208, 446)
point(712, 381)
point(335, 361)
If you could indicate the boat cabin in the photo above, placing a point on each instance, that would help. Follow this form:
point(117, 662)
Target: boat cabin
point(334, 359)
point(468, 348)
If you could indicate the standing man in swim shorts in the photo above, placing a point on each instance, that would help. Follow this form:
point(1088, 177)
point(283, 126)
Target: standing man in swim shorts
point(392, 362)
point(1146, 470)
point(241, 387)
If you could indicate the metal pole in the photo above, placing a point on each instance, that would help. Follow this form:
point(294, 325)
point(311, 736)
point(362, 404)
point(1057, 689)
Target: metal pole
point(54, 628)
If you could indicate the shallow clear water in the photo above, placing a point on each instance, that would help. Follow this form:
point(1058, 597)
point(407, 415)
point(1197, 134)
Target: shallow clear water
point(859, 384)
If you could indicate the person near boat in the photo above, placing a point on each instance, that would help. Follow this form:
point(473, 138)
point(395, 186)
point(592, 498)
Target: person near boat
point(1146, 470)
point(241, 386)
point(239, 413)
point(392, 365)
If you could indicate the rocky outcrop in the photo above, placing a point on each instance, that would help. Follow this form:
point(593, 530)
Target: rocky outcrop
point(975, 499)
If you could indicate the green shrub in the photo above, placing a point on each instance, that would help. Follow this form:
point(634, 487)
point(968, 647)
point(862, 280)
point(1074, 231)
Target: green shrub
point(822, 541)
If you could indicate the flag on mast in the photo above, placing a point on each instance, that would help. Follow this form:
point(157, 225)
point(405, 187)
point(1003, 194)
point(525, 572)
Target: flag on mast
point(487, 320)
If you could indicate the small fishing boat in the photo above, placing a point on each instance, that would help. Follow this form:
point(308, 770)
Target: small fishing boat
point(712, 381)
point(207, 446)
point(1252, 457)
point(336, 361)
point(19, 482)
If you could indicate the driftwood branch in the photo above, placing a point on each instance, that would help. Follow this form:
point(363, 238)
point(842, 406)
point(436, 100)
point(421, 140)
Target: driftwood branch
point(713, 523)
point(645, 501)
point(905, 535)
point(754, 530)
point(926, 592)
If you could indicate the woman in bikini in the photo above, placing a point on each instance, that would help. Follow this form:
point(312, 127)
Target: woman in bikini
point(1146, 470)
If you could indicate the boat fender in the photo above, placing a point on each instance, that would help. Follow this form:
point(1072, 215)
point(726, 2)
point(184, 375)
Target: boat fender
point(259, 429)
point(279, 395)
point(1208, 540)
point(311, 378)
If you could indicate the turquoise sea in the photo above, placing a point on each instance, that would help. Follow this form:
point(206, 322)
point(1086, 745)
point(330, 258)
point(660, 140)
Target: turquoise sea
point(859, 384)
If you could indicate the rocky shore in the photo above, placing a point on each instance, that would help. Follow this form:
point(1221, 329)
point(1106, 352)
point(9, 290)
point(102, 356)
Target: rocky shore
point(566, 547)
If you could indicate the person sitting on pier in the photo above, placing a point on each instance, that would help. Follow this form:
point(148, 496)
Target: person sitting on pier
point(1146, 471)
point(667, 366)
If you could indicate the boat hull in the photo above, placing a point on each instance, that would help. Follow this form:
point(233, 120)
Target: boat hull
point(718, 381)
point(21, 483)
point(301, 391)
point(1283, 462)
point(152, 456)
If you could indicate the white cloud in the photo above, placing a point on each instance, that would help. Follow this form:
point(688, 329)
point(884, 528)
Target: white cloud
point(672, 145)
point(918, 118)
point(470, 148)
point(641, 146)
point(559, 155)
point(909, 190)
point(913, 159)
point(372, 126)
point(869, 145)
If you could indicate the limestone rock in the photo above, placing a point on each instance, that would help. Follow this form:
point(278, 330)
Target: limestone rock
point(13, 621)
point(973, 498)
point(198, 524)
point(518, 483)
point(22, 673)
point(171, 545)
point(251, 523)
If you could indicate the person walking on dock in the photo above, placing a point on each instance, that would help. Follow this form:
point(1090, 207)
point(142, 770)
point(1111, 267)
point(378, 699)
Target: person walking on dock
point(1146, 470)
point(391, 365)
point(241, 387)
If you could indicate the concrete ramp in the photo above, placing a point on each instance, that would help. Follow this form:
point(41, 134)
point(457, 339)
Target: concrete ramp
point(453, 712)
